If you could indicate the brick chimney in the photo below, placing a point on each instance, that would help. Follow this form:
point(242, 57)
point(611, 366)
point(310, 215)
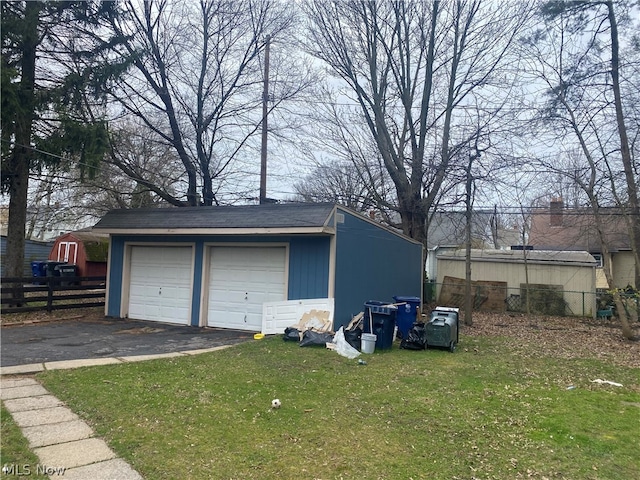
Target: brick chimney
point(556, 206)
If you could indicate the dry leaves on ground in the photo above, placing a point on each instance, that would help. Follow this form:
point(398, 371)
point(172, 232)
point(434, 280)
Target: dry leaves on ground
point(562, 337)
point(85, 314)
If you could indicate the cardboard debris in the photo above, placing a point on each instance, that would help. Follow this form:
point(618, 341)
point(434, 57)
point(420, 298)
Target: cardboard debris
point(488, 296)
point(318, 320)
point(355, 322)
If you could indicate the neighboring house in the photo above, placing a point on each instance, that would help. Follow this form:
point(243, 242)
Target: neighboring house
point(558, 282)
point(33, 251)
point(216, 266)
point(86, 249)
point(559, 228)
point(447, 233)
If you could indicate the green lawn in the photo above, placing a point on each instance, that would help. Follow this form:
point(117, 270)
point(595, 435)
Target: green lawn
point(490, 410)
point(15, 455)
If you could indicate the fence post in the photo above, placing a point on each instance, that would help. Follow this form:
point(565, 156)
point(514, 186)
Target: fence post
point(583, 313)
point(50, 294)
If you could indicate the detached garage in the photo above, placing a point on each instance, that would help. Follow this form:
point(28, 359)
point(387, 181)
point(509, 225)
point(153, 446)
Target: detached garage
point(216, 266)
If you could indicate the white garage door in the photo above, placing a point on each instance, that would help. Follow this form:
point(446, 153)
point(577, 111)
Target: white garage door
point(241, 279)
point(160, 286)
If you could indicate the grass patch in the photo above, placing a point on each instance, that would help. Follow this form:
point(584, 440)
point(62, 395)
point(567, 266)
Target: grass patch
point(483, 412)
point(15, 454)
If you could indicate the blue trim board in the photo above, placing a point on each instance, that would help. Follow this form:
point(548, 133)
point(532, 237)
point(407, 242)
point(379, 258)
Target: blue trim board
point(116, 256)
point(197, 284)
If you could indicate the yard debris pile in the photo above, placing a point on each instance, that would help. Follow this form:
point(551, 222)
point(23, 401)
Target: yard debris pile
point(315, 328)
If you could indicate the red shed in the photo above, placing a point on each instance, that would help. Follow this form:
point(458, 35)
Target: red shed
point(87, 250)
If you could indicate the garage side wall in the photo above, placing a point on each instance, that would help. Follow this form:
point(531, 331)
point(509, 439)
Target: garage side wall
point(372, 263)
point(575, 280)
point(572, 278)
point(308, 273)
point(623, 269)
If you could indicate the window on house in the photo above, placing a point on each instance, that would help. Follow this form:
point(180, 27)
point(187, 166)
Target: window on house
point(598, 258)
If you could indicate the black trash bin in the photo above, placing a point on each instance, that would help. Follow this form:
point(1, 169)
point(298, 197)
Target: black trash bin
point(443, 328)
point(380, 320)
point(51, 269)
point(67, 270)
point(407, 313)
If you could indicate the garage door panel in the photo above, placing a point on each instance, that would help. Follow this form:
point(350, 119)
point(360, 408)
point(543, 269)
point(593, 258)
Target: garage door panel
point(241, 279)
point(160, 284)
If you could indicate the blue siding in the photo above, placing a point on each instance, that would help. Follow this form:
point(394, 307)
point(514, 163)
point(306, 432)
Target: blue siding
point(308, 265)
point(372, 264)
point(33, 251)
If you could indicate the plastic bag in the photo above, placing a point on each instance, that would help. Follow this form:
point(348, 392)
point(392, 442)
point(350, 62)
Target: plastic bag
point(291, 333)
point(311, 337)
point(416, 338)
point(342, 346)
point(353, 337)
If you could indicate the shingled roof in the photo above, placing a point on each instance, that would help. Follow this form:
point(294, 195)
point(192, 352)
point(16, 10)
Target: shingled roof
point(575, 229)
point(296, 216)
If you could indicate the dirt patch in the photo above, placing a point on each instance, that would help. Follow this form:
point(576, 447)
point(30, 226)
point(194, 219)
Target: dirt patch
point(139, 331)
point(86, 314)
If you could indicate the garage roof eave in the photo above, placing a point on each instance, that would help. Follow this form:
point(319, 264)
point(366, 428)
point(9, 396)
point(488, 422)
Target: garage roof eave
point(319, 230)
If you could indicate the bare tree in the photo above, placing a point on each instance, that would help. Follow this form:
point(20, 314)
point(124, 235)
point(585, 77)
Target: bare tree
point(339, 183)
point(411, 69)
point(196, 85)
point(577, 56)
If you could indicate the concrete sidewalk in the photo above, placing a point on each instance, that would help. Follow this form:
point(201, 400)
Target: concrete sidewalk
point(64, 444)
point(91, 362)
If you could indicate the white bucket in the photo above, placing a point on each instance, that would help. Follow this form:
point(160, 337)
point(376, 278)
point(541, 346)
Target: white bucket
point(368, 342)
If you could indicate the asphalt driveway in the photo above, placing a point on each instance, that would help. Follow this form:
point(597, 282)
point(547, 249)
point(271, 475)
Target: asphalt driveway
point(87, 339)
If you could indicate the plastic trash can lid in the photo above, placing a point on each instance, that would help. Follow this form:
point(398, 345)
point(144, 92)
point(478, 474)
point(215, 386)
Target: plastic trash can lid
point(399, 298)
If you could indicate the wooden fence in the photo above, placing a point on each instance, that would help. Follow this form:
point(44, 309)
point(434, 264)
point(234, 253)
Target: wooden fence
point(29, 294)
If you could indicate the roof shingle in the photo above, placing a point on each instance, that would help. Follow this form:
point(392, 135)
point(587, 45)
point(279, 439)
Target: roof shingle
point(287, 215)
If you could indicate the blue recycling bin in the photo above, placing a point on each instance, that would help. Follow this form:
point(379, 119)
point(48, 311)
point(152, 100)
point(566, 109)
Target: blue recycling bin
point(407, 313)
point(380, 319)
point(39, 269)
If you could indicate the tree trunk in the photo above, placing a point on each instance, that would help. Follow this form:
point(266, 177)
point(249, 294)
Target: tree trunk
point(625, 153)
point(468, 300)
point(19, 161)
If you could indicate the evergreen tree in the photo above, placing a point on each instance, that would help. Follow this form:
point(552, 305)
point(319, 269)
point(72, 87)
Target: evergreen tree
point(54, 68)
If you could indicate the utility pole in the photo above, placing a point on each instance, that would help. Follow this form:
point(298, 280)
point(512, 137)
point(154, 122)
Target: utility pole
point(265, 110)
point(468, 299)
